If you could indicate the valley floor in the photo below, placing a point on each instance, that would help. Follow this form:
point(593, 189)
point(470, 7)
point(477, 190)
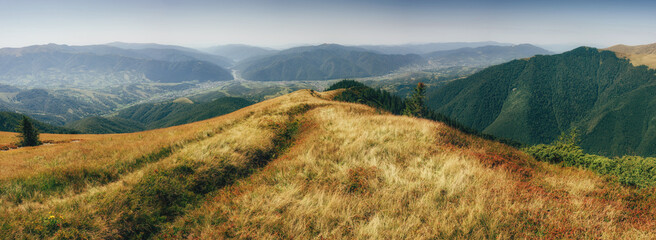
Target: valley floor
point(304, 166)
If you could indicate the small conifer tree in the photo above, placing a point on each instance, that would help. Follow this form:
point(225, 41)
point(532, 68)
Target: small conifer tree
point(414, 106)
point(29, 135)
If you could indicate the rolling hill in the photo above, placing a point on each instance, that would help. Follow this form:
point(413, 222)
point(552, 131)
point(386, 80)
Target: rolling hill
point(158, 115)
point(638, 55)
point(322, 62)
point(304, 166)
point(482, 56)
point(533, 100)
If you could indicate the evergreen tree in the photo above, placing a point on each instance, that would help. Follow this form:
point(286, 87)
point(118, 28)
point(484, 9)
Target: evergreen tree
point(29, 135)
point(414, 106)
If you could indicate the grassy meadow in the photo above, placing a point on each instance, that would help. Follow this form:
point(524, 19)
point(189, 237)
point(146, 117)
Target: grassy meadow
point(304, 166)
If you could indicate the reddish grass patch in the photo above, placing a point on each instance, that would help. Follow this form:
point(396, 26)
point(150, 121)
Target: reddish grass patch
point(508, 161)
point(453, 139)
point(359, 179)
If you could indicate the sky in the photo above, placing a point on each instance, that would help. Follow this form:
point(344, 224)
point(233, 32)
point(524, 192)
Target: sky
point(284, 23)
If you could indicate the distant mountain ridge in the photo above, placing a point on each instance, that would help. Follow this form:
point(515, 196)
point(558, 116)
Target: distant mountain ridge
point(322, 62)
point(607, 99)
point(127, 45)
point(147, 51)
point(483, 56)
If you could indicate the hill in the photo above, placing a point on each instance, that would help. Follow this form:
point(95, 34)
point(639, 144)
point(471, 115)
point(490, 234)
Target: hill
point(638, 55)
point(158, 115)
point(9, 121)
point(482, 56)
point(322, 62)
point(303, 166)
point(239, 52)
point(533, 100)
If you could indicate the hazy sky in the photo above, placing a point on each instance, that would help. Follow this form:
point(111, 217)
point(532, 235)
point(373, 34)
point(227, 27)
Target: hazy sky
point(272, 23)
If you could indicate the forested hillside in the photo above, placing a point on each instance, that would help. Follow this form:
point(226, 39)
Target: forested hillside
point(607, 99)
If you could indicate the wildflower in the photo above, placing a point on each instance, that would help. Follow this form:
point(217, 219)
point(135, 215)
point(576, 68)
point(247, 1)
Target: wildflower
point(51, 217)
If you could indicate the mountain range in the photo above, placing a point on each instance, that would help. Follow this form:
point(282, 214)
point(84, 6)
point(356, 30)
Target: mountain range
point(60, 84)
point(322, 62)
point(95, 67)
point(607, 99)
point(331, 61)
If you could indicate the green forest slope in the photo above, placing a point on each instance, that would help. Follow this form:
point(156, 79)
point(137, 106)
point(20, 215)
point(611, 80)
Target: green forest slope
point(610, 101)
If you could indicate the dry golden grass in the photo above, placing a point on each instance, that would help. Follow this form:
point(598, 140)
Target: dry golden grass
point(638, 55)
point(350, 173)
point(368, 176)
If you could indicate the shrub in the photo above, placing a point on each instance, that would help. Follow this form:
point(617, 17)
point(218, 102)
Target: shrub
point(628, 170)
